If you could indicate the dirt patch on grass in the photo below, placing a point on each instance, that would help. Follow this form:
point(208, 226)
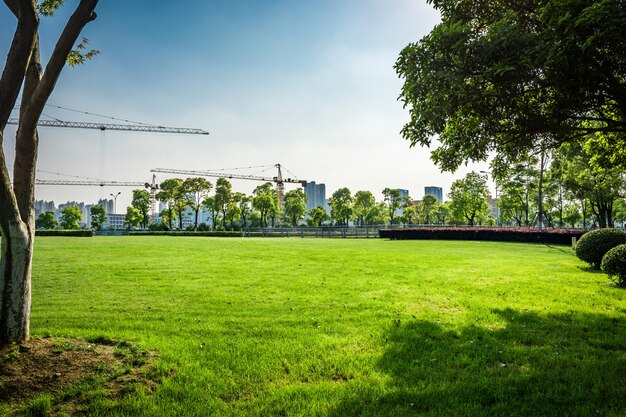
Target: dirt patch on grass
point(68, 369)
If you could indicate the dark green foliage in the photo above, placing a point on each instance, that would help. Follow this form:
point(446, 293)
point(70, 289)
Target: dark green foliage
point(70, 233)
point(557, 236)
point(614, 264)
point(593, 245)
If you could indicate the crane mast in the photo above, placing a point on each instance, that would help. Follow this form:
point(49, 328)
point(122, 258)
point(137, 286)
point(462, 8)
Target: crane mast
point(279, 180)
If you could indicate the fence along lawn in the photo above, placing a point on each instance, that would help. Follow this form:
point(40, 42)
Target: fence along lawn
point(317, 327)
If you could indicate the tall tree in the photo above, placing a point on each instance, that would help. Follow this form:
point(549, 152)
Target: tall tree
point(393, 200)
point(170, 191)
point(318, 216)
point(245, 209)
point(468, 197)
point(223, 196)
point(98, 216)
point(427, 208)
point(198, 188)
point(23, 71)
point(209, 204)
point(134, 217)
point(363, 202)
point(264, 201)
point(341, 206)
point(509, 77)
point(70, 216)
point(295, 205)
point(141, 201)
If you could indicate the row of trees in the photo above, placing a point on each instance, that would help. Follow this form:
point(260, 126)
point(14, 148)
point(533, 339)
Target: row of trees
point(70, 218)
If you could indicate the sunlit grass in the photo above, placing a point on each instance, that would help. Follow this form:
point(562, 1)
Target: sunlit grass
point(319, 327)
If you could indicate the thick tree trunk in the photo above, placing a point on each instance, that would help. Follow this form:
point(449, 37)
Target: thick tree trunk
point(15, 280)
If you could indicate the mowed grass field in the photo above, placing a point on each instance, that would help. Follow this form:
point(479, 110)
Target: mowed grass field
point(319, 327)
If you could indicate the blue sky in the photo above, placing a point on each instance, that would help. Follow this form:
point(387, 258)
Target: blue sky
point(308, 84)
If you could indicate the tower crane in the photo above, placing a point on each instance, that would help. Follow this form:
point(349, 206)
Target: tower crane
point(278, 179)
point(130, 127)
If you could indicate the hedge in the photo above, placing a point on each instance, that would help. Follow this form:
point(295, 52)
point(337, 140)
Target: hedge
point(596, 243)
point(500, 234)
point(189, 233)
point(68, 233)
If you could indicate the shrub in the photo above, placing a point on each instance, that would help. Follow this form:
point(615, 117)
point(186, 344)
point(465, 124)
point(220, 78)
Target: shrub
point(70, 233)
point(594, 244)
point(614, 264)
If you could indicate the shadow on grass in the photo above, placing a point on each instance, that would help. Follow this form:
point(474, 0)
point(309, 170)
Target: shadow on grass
point(531, 365)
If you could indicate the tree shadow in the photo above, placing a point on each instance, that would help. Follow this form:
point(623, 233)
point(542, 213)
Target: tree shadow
point(530, 365)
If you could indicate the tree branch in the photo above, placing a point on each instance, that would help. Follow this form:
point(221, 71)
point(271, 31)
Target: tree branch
point(19, 54)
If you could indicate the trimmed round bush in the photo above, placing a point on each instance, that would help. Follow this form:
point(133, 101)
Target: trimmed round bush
point(593, 245)
point(614, 264)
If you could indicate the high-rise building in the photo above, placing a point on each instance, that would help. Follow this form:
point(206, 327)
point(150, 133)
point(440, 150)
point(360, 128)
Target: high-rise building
point(316, 194)
point(436, 192)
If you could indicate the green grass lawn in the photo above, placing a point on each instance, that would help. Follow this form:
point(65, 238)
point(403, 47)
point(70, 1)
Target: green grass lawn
point(318, 327)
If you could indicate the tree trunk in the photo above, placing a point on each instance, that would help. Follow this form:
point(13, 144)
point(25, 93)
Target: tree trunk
point(23, 71)
point(15, 281)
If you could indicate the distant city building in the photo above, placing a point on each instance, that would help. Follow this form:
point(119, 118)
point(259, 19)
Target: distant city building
point(436, 192)
point(114, 222)
point(108, 205)
point(316, 194)
point(42, 206)
point(403, 194)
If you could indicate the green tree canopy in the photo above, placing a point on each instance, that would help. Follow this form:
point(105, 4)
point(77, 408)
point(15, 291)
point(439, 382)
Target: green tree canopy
point(198, 188)
point(98, 216)
point(363, 202)
point(46, 221)
point(341, 206)
point(295, 205)
point(514, 76)
point(70, 216)
point(141, 201)
point(469, 197)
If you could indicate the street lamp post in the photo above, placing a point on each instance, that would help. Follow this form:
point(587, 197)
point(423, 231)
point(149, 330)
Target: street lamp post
point(495, 181)
point(115, 204)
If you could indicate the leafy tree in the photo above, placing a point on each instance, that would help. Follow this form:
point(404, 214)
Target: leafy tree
point(600, 184)
point(410, 214)
point(571, 215)
point(515, 76)
point(518, 185)
point(442, 213)
point(167, 216)
point(427, 208)
point(141, 201)
point(393, 200)
point(70, 216)
point(46, 221)
point(169, 195)
point(341, 206)
point(245, 209)
point(223, 196)
point(134, 217)
point(363, 202)
point(265, 201)
point(378, 214)
point(181, 202)
point(209, 204)
point(234, 210)
point(24, 74)
point(619, 211)
point(318, 216)
point(469, 197)
point(295, 205)
point(199, 189)
point(98, 217)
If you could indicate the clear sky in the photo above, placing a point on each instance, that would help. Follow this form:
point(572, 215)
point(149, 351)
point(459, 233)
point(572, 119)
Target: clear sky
point(310, 85)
